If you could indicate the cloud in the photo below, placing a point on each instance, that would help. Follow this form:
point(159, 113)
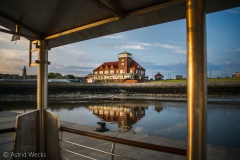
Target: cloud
point(12, 62)
point(144, 58)
point(176, 49)
point(238, 49)
point(140, 43)
point(79, 67)
point(171, 69)
point(113, 45)
point(177, 66)
point(76, 52)
point(5, 37)
point(9, 53)
point(77, 70)
point(65, 47)
point(220, 68)
point(127, 45)
point(135, 45)
point(176, 42)
point(228, 62)
point(138, 47)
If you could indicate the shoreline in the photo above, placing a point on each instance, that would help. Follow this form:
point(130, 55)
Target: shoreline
point(13, 90)
point(118, 99)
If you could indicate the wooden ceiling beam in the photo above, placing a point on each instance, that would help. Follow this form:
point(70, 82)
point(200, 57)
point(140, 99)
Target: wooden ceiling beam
point(90, 25)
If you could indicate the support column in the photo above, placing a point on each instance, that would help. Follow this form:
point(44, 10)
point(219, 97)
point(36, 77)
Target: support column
point(42, 90)
point(196, 80)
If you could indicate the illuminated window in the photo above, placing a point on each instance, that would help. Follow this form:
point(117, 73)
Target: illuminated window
point(111, 71)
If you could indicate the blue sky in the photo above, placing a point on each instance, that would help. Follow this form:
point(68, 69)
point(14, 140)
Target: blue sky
point(159, 48)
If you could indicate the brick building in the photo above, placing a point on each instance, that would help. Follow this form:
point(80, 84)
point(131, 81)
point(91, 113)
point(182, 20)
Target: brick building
point(124, 68)
point(158, 76)
point(236, 75)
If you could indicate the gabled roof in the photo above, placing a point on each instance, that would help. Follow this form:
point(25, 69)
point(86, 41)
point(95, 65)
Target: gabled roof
point(135, 64)
point(158, 75)
point(108, 64)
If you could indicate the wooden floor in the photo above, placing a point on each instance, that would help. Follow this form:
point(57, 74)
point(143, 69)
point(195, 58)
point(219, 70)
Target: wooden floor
point(7, 119)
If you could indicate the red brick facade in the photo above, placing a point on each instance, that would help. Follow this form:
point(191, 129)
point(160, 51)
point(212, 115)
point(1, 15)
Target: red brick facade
point(124, 68)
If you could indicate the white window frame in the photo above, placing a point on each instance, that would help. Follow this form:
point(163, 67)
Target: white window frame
point(111, 71)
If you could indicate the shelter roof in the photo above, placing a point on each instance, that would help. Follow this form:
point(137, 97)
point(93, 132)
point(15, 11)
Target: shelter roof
point(158, 75)
point(66, 22)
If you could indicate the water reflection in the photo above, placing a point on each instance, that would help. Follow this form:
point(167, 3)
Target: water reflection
point(122, 115)
point(155, 118)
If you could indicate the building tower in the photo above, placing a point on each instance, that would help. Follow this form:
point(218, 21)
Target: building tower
point(124, 61)
point(24, 74)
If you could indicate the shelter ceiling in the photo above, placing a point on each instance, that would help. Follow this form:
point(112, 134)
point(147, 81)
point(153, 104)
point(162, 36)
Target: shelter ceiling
point(63, 22)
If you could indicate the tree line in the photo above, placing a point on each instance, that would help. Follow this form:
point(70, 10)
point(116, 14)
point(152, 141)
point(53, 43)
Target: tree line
point(59, 76)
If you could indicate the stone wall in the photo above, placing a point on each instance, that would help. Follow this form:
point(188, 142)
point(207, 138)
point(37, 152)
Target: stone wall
point(9, 90)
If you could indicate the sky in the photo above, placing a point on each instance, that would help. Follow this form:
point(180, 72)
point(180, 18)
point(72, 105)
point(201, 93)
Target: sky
point(159, 48)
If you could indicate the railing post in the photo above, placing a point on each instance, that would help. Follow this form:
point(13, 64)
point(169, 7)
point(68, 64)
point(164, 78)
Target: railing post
point(42, 90)
point(112, 150)
point(196, 80)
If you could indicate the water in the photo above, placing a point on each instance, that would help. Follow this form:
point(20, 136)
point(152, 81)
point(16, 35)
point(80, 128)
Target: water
point(149, 116)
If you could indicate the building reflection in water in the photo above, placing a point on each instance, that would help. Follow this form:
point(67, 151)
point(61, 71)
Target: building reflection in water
point(158, 109)
point(122, 115)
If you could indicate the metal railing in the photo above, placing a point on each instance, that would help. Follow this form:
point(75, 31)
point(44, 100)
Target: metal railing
point(97, 150)
point(154, 147)
point(115, 140)
point(7, 130)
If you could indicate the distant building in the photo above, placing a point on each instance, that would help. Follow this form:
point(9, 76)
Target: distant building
point(124, 68)
point(158, 76)
point(24, 74)
point(179, 76)
point(236, 75)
